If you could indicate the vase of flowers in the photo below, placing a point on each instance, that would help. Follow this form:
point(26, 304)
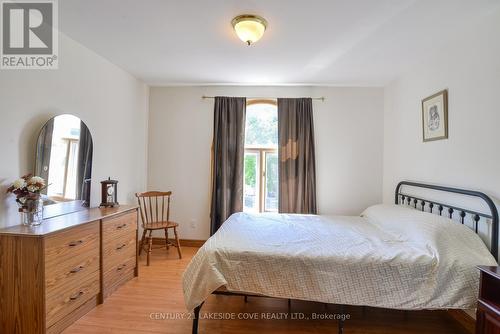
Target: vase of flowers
point(28, 197)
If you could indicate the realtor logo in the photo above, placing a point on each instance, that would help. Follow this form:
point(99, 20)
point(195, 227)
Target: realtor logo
point(29, 34)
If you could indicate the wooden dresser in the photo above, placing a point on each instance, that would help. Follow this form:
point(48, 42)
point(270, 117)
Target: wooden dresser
point(52, 274)
point(488, 306)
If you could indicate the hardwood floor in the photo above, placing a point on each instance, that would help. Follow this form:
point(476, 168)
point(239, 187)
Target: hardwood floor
point(148, 303)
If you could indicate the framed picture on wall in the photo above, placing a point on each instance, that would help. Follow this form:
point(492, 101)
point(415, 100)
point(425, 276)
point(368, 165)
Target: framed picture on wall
point(435, 116)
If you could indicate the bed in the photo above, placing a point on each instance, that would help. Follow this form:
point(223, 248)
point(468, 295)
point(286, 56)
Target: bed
point(392, 256)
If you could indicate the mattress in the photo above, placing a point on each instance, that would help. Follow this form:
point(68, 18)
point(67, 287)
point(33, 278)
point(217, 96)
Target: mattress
point(391, 257)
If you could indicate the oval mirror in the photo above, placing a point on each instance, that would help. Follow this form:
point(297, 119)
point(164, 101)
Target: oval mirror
point(64, 159)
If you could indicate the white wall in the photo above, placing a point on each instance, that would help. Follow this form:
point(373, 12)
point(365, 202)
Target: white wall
point(349, 142)
point(112, 103)
point(470, 69)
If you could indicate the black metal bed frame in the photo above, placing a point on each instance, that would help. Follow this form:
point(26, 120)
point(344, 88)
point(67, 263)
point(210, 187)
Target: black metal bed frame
point(418, 203)
point(401, 198)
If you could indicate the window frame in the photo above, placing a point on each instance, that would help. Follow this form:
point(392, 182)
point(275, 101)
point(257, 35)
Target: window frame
point(262, 174)
point(264, 178)
point(262, 151)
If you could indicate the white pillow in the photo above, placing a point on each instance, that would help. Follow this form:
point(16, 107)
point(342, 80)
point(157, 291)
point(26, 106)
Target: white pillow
point(436, 231)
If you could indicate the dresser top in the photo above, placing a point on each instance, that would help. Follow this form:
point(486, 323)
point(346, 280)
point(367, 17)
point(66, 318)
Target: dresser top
point(491, 270)
point(63, 222)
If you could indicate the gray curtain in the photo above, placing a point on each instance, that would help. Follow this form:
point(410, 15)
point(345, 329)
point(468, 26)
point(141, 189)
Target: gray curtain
point(43, 150)
point(84, 171)
point(228, 156)
point(297, 167)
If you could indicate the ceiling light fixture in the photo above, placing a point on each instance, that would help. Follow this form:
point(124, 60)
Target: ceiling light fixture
point(249, 28)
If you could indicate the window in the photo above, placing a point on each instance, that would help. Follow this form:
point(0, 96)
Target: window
point(261, 157)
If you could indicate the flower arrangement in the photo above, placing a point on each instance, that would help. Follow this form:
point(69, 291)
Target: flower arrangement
point(27, 190)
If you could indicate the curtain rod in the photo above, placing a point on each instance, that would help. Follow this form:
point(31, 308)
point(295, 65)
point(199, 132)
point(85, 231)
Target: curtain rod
point(321, 98)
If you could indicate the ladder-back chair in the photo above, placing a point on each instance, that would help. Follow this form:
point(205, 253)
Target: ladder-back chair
point(154, 207)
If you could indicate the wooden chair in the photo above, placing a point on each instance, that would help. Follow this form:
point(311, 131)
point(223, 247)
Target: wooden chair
point(154, 207)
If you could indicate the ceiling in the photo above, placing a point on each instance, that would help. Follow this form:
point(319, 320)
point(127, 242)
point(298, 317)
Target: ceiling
point(308, 42)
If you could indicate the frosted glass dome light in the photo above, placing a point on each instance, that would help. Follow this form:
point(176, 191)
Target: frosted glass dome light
point(249, 28)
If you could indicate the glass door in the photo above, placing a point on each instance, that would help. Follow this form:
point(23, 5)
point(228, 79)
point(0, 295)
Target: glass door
point(271, 189)
point(251, 189)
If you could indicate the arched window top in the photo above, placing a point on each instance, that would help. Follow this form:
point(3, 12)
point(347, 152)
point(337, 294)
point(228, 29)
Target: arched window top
point(262, 101)
point(261, 128)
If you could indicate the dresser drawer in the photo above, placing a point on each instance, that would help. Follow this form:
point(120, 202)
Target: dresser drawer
point(71, 271)
point(71, 255)
point(119, 250)
point(69, 297)
point(118, 275)
point(71, 246)
point(119, 225)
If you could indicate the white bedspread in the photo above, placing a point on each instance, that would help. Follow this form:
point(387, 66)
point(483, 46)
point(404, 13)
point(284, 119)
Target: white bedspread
point(393, 257)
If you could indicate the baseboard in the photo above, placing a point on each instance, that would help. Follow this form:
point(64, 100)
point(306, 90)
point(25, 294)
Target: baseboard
point(184, 242)
point(464, 319)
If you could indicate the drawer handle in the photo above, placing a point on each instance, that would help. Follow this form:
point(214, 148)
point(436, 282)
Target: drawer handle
point(75, 243)
point(121, 267)
point(75, 297)
point(77, 269)
point(119, 227)
point(121, 246)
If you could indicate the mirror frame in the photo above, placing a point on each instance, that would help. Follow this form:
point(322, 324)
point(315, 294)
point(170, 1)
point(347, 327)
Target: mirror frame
point(59, 208)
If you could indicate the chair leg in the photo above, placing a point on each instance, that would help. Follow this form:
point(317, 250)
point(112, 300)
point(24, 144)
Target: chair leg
point(150, 247)
point(166, 238)
point(178, 243)
point(141, 244)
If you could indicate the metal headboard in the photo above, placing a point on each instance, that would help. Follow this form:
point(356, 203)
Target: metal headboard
point(421, 203)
